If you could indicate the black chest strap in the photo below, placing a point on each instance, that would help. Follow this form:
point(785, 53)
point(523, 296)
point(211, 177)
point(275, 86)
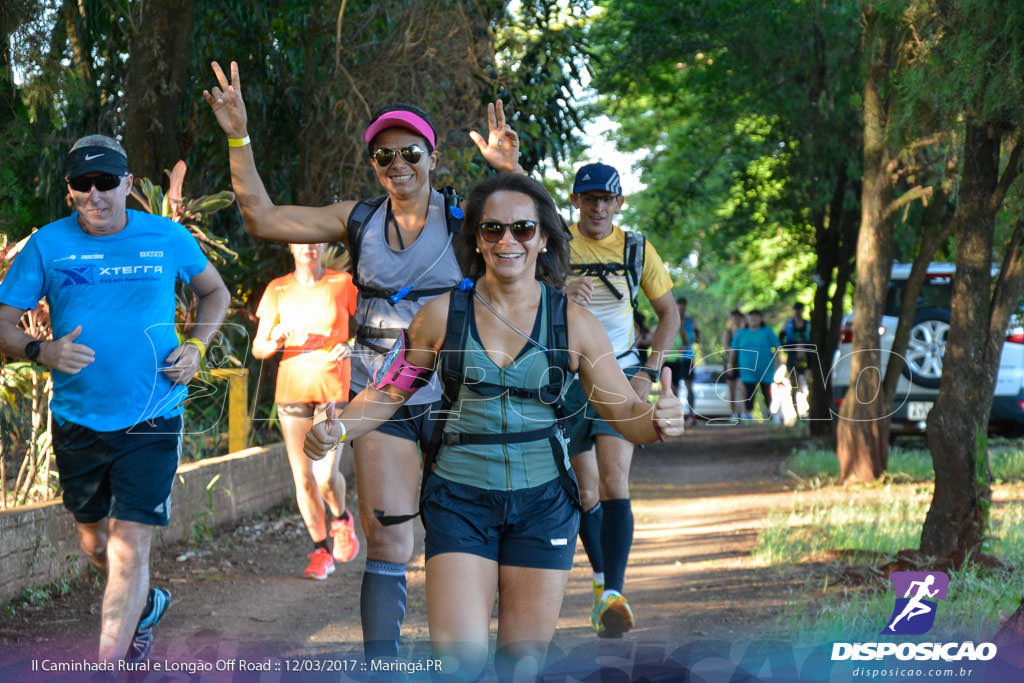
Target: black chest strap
point(452, 375)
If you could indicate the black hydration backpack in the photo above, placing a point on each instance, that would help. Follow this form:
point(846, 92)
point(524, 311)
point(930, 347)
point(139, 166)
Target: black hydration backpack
point(632, 267)
point(452, 375)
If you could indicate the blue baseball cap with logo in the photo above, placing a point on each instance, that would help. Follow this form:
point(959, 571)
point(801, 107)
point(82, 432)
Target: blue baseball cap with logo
point(600, 177)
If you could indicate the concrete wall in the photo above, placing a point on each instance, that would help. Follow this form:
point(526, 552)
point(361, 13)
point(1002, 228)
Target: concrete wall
point(38, 543)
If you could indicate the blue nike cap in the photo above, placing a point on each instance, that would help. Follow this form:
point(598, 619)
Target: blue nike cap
point(600, 177)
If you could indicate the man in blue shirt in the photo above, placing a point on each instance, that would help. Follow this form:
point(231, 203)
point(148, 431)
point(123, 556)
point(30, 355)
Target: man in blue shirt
point(753, 352)
point(119, 371)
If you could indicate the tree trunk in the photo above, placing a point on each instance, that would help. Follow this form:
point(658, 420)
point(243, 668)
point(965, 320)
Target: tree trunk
point(155, 87)
point(862, 435)
point(958, 423)
point(835, 243)
point(930, 242)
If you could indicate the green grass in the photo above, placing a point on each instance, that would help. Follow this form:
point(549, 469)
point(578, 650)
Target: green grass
point(848, 525)
point(817, 466)
point(886, 518)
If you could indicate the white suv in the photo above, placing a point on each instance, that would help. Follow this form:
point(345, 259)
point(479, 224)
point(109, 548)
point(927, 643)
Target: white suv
point(919, 384)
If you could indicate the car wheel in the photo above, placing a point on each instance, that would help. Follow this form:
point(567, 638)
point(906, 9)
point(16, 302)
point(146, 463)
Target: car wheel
point(926, 347)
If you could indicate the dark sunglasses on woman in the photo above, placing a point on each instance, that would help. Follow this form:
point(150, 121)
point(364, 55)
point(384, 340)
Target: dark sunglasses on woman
point(383, 156)
point(493, 231)
point(103, 182)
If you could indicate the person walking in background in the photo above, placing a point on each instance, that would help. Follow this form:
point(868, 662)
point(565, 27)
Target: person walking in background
point(753, 351)
point(737, 393)
point(610, 267)
point(689, 334)
point(306, 314)
point(795, 335)
point(119, 372)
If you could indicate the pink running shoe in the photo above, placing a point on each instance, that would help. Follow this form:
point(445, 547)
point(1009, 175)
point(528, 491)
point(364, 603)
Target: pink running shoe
point(346, 543)
point(321, 564)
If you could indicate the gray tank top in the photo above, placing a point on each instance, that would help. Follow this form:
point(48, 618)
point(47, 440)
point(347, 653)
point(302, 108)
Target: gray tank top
point(383, 267)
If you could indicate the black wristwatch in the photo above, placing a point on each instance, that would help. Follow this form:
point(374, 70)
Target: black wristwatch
point(654, 374)
point(32, 349)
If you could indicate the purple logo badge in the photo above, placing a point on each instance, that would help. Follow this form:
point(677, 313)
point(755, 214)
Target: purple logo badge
point(917, 594)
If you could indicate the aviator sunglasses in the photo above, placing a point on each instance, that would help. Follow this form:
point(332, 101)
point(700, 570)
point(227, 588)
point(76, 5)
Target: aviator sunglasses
point(493, 231)
point(383, 156)
point(103, 182)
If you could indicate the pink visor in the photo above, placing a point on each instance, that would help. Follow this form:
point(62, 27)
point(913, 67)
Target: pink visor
point(401, 119)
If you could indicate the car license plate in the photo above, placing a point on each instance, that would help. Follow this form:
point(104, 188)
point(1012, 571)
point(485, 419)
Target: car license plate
point(918, 410)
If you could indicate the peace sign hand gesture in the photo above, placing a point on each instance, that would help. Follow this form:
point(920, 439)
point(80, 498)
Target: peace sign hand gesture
point(501, 148)
point(226, 102)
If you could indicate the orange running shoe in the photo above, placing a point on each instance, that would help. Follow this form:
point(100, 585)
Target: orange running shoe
point(346, 543)
point(321, 564)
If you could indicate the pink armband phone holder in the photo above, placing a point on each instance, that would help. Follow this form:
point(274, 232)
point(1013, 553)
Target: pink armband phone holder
point(398, 372)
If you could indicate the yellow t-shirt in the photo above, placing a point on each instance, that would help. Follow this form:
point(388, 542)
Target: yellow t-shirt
point(614, 313)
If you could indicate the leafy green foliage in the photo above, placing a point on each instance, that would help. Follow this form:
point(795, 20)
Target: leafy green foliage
point(749, 113)
point(312, 73)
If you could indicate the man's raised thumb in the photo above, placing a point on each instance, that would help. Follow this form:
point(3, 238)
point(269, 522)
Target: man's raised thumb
point(666, 382)
point(73, 334)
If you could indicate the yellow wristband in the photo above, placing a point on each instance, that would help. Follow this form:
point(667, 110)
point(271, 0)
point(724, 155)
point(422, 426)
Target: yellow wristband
point(238, 142)
point(198, 344)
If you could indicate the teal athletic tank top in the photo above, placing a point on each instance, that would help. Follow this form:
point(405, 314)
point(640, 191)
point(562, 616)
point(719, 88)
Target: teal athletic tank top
point(506, 466)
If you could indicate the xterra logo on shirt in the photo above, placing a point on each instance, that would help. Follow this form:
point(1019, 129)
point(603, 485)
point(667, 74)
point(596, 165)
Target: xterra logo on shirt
point(76, 275)
point(129, 270)
point(92, 275)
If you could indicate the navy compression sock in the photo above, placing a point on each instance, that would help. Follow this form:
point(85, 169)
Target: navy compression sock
point(382, 608)
point(616, 540)
point(590, 534)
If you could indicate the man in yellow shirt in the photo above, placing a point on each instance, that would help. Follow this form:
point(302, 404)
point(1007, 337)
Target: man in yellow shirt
point(610, 267)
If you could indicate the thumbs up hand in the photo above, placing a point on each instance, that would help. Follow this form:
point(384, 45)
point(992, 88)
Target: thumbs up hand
point(668, 411)
point(327, 431)
point(64, 355)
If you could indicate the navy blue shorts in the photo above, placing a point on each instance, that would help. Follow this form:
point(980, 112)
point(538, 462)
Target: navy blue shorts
point(412, 423)
point(534, 527)
point(125, 474)
point(584, 423)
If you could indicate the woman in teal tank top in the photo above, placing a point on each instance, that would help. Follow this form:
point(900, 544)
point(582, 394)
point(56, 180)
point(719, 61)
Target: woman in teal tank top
point(497, 517)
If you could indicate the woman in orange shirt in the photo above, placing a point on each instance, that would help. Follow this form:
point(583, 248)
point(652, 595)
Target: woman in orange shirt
point(306, 313)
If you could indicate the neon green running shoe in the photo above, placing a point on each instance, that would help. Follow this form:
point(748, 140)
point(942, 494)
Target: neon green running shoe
point(596, 609)
point(614, 616)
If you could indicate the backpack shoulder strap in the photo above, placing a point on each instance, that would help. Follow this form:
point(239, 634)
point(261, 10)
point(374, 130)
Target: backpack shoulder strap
point(357, 219)
point(633, 258)
point(452, 209)
point(558, 378)
point(450, 375)
point(558, 333)
point(451, 368)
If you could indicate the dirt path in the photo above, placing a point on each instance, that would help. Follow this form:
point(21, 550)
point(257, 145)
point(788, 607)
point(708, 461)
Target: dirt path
point(698, 504)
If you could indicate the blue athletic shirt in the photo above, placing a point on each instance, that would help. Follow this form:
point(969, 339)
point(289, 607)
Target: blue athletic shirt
point(120, 289)
point(688, 349)
point(755, 355)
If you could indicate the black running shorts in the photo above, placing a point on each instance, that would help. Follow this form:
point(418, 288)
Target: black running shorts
point(533, 527)
point(124, 474)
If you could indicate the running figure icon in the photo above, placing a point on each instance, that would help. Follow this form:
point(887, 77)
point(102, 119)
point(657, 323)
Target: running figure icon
point(914, 612)
point(916, 607)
